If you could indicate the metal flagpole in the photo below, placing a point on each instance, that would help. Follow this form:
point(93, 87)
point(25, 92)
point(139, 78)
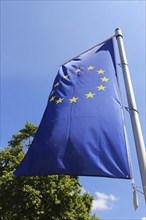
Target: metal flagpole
point(138, 137)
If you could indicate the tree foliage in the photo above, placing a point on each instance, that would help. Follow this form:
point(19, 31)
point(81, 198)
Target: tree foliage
point(41, 197)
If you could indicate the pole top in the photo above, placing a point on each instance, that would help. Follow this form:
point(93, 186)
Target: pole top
point(118, 32)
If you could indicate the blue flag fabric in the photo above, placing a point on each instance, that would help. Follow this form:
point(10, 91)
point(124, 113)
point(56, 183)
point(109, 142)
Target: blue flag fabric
point(82, 130)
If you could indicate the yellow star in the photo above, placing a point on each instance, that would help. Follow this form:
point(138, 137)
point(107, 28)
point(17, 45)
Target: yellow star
point(57, 84)
point(66, 76)
point(78, 70)
point(90, 67)
point(104, 79)
point(101, 87)
point(52, 92)
point(60, 100)
point(90, 95)
point(52, 99)
point(73, 99)
point(101, 71)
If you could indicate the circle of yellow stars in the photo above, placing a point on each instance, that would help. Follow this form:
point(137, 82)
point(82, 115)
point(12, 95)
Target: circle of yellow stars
point(88, 95)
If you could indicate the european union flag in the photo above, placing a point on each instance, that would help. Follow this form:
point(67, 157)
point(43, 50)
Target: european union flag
point(82, 131)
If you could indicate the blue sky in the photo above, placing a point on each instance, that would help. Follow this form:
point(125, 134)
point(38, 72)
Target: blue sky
point(36, 38)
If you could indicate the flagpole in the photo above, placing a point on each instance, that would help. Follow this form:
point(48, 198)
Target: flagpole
point(137, 132)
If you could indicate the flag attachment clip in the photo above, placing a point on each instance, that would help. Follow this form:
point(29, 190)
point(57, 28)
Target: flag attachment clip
point(135, 197)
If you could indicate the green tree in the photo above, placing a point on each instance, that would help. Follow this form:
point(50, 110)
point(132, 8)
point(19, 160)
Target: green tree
point(94, 217)
point(46, 197)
